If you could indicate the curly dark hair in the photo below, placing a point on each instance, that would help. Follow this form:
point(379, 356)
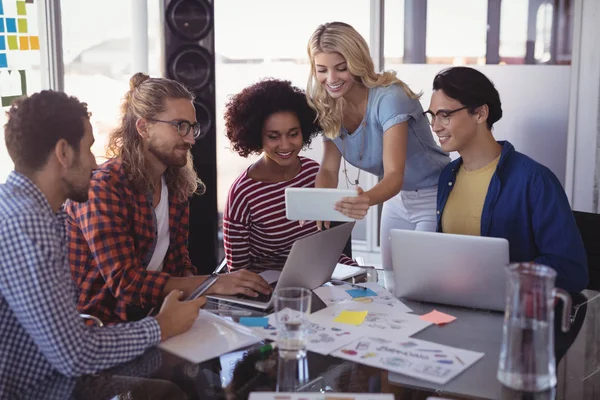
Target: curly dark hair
point(245, 114)
point(36, 123)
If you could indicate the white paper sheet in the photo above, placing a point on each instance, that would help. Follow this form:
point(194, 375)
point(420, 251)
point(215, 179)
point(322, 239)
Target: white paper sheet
point(319, 396)
point(343, 271)
point(381, 321)
point(334, 294)
point(413, 357)
point(209, 337)
point(322, 339)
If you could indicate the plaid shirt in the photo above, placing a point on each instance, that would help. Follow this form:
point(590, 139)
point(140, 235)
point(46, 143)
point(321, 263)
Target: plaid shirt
point(40, 329)
point(111, 241)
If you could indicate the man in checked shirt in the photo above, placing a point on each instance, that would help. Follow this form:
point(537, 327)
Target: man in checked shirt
point(49, 138)
point(128, 242)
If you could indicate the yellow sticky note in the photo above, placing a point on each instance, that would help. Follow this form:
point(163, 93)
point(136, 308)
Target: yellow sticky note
point(21, 9)
point(23, 42)
point(22, 25)
point(12, 43)
point(351, 317)
point(34, 42)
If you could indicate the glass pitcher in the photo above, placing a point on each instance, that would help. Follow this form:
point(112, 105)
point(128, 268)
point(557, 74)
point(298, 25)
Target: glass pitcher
point(527, 360)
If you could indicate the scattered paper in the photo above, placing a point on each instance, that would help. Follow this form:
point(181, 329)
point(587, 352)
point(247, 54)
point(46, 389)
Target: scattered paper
point(438, 318)
point(381, 321)
point(209, 337)
point(412, 357)
point(351, 317)
point(360, 293)
point(343, 271)
point(322, 339)
point(334, 294)
point(319, 396)
point(254, 321)
point(270, 275)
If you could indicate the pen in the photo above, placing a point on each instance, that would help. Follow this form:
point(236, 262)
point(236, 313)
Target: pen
point(337, 281)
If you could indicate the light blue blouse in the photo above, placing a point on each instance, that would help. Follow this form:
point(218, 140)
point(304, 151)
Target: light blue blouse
point(386, 107)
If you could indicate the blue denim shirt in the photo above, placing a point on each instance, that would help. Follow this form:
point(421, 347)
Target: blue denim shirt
point(388, 106)
point(527, 205)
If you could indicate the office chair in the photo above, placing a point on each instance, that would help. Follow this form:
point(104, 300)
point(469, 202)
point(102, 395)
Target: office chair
point(589, 227)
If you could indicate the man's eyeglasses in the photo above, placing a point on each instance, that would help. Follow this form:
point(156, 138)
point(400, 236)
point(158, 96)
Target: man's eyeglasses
point(443, 115)
point(183, 127)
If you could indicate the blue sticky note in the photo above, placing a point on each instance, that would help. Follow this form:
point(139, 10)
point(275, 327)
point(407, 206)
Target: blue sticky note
point(360, 293)
point(260, 322)
point(2, 42)
point(1, 24)
point(1, 8)
point(3, 61)
point(11, 25)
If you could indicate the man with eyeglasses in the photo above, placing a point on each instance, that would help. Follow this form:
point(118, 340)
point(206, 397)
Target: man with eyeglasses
point(128, 242)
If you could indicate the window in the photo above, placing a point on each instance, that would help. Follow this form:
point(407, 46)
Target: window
point(20, 61)
point(98, 58)
point(272, 43)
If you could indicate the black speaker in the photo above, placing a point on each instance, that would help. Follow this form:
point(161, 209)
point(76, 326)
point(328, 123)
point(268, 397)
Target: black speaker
point(190, 60)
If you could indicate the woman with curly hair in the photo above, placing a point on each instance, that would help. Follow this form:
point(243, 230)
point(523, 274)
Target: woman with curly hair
point(375, 122)
point(270, 118)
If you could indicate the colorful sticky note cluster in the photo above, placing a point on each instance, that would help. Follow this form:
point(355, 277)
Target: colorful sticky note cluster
point(438, 318)
point(351, 317)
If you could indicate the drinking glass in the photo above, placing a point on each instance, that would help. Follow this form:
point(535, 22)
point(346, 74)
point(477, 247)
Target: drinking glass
point(292, 307)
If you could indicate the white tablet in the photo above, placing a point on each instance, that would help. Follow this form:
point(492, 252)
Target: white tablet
point(312, 204)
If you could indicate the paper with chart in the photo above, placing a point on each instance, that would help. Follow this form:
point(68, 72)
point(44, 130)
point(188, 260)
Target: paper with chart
point(322, 339)
point(209, 337)
point(412, 357)
point(381, 320)
point(319, 396)
point(334, 294)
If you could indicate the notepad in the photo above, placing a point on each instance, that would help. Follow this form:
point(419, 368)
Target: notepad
point(351, 317)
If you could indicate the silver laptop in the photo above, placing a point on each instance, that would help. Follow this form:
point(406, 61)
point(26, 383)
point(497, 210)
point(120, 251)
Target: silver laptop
point(459, 270)
point(309, 265)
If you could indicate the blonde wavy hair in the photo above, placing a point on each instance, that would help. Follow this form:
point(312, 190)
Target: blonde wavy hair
point(339, 37)
point(146, 98)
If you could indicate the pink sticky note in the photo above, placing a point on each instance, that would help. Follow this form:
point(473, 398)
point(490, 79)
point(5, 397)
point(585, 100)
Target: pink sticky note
point(437, 317)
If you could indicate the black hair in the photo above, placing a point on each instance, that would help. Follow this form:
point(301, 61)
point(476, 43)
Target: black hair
point(472, 88)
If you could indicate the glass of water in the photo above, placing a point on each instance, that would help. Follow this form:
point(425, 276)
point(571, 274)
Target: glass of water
point(292, 307)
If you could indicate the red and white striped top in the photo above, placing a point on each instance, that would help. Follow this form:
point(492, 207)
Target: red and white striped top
point(255, 229)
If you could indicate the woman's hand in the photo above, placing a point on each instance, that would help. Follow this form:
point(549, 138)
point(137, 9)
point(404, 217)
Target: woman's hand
point(354, 207)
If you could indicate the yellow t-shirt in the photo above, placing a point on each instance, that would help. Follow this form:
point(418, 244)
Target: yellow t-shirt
point(462, 213)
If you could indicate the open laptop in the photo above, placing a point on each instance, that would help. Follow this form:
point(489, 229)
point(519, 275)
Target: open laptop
point(444, 268)
point(309, 265)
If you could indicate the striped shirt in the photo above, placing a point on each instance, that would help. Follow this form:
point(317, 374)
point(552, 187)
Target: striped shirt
point(255, 228)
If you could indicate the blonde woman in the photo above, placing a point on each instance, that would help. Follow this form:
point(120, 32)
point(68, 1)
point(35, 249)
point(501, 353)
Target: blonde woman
point(374, 122)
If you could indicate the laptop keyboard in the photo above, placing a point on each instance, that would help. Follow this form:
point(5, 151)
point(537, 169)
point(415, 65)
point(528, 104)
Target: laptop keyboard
point(262, 298)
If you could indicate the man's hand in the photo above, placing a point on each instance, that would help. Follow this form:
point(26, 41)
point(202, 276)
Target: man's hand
point(354, 207)
point(177, 316)
point(240, 282)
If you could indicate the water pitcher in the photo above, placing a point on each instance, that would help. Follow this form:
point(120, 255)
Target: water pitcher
point(527, 360)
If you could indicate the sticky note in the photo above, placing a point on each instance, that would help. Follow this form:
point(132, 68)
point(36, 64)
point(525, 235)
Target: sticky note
point(1, 9)
point(3, 61)
point(34, 42)
point(2, 42)
point(11, 25)
point(360, 293)
point(21, 9)
point(23, 43)
point(351, 317)
point(22, 23)
point(1, 23)
point(260, 322)
point(12, 43)
point(437, 317)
